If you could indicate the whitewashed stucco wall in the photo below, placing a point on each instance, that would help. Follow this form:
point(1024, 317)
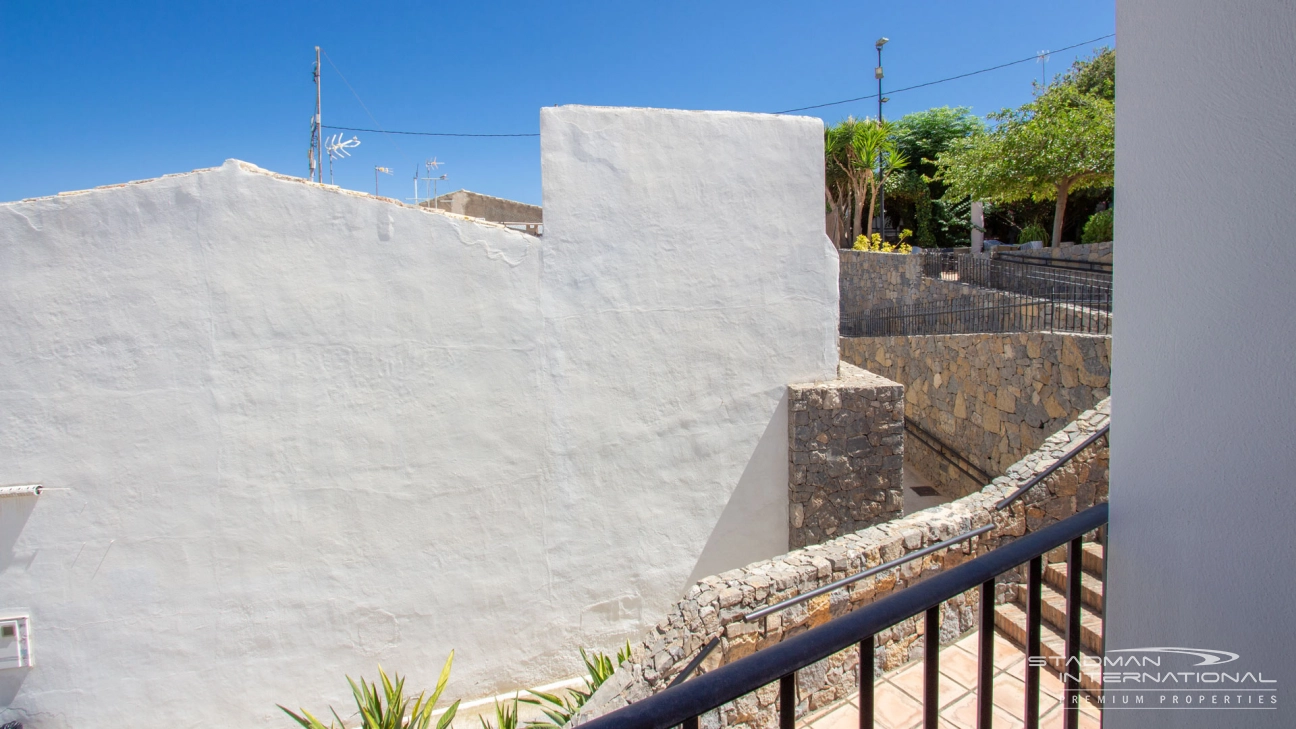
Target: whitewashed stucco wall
point(303, 431)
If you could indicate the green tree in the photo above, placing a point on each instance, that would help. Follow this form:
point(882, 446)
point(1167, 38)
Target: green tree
point(921, 137)
point(859, 156)
point(1062, 141)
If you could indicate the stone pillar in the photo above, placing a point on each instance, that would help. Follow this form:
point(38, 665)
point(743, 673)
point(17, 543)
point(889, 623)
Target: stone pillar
point(846, 452)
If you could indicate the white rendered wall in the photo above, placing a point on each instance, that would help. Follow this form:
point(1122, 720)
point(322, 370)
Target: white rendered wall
point(302, 432)
point(1202, 498)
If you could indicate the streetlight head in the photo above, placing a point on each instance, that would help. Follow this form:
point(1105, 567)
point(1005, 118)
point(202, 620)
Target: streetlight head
point(881, 42)
point(885, 99)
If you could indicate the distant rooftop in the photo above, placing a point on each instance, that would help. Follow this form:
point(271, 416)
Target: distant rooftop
point(486, 207)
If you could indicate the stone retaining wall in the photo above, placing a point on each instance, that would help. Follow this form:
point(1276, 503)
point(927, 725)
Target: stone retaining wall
point(993, 398)
point(715, 606)
point(868, 280)
point(846, 452)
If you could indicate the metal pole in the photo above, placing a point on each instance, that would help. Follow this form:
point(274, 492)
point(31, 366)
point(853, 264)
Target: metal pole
point(319, 123)
point(881, 190)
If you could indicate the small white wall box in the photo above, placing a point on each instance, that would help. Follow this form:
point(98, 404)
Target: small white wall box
point(15, 641)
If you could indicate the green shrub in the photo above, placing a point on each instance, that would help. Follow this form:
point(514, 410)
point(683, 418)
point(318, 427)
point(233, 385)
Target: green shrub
point(1099, 227)
point(1034, 231)
point(389, 709)
point(876, 244)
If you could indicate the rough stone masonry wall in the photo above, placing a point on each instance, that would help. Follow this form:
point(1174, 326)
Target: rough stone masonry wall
point(993, 398)
point(715, 606)
point(868, 280)
point(846, 453)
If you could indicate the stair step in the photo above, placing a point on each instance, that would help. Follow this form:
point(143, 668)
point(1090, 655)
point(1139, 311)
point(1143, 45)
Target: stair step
point(1091, 588)
point(1092, 559)
point(1054, 608)
point(1010, 619)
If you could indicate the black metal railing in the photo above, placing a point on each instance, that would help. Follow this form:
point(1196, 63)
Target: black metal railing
point(1070, 309)
point(683, 702)
point(1050, 262)
point(1015, 275)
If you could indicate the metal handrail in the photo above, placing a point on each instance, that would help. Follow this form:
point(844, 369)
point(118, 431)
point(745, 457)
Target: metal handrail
point(803, 597)
point(778, 606)
point(686, 701)
point(1058, 464)
point(940, 449)
point(693, 664)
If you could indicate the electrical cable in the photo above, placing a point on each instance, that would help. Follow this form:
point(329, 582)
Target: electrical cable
point(785, 111)
point(428, 134)
point(943, 80)
point(362, 106)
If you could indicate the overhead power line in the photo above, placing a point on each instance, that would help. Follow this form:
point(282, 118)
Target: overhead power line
point(1029, 59)
point(429, 134)
point(943, 80)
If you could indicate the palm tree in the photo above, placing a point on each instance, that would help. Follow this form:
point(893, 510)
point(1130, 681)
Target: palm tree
point(852, 150)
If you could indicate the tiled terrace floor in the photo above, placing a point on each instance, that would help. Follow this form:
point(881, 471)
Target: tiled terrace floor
point(898, 694)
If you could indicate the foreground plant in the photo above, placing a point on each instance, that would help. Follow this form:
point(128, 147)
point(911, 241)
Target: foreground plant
point(389, 709)
point(506, 714)
point(561, 709)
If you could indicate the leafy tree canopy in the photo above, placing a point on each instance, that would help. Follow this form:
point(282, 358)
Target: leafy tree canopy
point(1064, 140)
point(923, 135)
point(1094, 76)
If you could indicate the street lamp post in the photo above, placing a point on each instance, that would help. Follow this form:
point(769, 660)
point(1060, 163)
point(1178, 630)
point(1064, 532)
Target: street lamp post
point(877, 72)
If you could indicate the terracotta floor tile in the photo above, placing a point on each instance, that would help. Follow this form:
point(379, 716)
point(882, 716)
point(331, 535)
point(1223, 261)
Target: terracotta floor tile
point(893, 708)
point(910, 678)
point(1051, 719)
point(1050, 685)
point(969, 642)
point(1006, 654)
point(1010, 695)
point(959, 665)
point(963, 715)
point(845, 716)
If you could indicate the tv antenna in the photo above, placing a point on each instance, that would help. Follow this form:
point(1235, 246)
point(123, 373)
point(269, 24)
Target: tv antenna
point(377, 169)
point(1042, 58)
point(430, 181)
point(337, 148)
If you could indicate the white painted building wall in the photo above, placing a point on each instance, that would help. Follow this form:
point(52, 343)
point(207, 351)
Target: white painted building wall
point(1202, 499)
point(297, 432)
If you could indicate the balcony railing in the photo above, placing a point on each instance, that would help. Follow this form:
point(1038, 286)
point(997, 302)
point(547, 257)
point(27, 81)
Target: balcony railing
point(685, 701)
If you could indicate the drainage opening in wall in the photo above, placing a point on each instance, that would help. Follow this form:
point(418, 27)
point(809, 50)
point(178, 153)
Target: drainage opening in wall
point(924, 490)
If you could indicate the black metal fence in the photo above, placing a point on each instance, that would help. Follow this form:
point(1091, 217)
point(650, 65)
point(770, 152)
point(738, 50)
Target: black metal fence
point(1003, 296)
point(1062, 263)
point(1072, 310)
point(1015, 276)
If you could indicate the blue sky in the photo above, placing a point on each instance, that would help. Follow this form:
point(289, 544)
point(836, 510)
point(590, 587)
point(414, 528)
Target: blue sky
point(98, 93)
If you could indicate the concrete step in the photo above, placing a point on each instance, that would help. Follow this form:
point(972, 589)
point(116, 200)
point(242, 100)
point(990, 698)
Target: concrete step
point(1092, 559)
point(1010, 619)
point(1091, 588)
